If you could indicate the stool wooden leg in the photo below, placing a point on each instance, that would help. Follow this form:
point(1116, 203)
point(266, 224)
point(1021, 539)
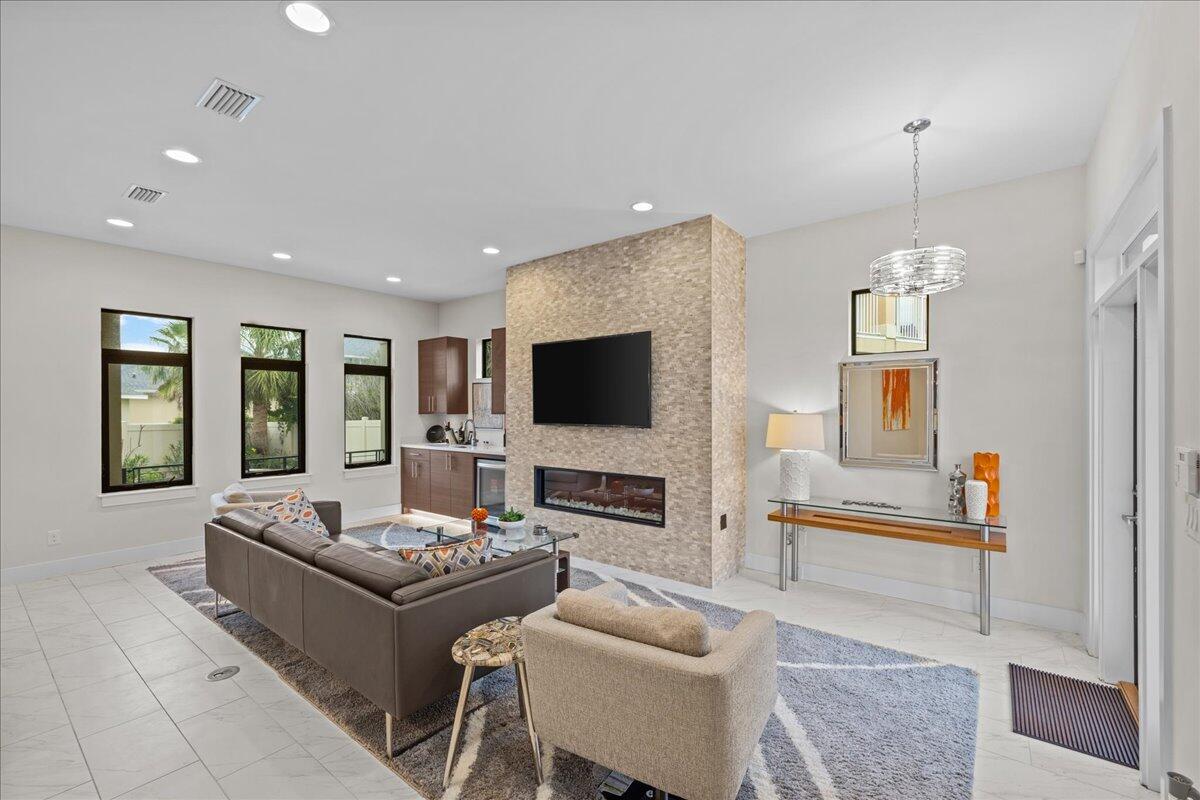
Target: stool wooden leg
point(523, 682)
point(458, 718)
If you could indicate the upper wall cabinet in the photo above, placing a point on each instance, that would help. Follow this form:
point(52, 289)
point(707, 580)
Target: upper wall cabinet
point(499, 349)
point(442, 376)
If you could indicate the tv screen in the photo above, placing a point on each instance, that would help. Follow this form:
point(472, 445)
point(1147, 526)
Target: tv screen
point(601, 381)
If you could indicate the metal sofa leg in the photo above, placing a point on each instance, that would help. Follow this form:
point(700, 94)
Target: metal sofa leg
point(387, 727)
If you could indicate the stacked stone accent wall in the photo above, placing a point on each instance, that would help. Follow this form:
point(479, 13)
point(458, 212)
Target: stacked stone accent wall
point(684, 283)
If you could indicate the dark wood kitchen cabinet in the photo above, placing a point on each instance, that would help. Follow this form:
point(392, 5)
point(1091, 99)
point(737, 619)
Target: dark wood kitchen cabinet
point(414, 479)
point(499, 352)
point(442, 375)
point(451, 483)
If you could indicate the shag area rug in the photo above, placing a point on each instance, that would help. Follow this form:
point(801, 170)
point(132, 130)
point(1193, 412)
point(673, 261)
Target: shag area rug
point(391, 535)
point(852, 720)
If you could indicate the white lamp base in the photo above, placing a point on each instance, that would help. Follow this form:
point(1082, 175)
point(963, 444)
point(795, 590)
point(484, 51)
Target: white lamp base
point(793, 474)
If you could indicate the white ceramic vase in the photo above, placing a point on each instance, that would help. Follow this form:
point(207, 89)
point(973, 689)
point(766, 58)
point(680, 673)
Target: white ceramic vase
point(977, 495)
point(513, 530)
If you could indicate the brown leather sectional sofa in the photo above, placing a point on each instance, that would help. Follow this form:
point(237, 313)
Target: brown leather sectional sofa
point(371, 618)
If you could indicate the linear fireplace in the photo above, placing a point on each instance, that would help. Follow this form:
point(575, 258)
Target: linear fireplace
point(629, 498)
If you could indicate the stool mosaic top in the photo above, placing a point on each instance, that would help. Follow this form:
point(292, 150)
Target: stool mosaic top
point(492, 644)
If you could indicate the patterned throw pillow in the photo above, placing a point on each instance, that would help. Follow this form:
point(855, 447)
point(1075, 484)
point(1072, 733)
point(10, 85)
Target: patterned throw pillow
point(447, 558)
point(297, 509)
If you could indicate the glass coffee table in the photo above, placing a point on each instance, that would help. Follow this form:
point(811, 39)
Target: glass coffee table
point(463, 530)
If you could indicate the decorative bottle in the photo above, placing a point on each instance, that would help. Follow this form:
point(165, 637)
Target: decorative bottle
point(958, 500)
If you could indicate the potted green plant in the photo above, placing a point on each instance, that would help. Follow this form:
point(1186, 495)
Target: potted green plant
point(513, 523)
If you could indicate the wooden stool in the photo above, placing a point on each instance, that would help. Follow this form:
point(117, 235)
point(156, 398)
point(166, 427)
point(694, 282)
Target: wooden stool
point(492, 644)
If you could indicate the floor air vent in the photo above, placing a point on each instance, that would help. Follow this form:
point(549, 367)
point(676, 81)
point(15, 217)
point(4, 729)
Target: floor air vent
point(144, 195)
point(227, 100)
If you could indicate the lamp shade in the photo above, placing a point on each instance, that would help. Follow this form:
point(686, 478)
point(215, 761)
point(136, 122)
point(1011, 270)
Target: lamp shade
point(796, 432)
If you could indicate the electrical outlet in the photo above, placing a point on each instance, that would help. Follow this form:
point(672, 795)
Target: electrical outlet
point(53, 538)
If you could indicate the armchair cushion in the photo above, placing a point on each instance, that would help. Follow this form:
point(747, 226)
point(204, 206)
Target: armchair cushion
point(236, 493)
point(675, 629)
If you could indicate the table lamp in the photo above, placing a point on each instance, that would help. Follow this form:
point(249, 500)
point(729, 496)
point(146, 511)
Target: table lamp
point(795, 435)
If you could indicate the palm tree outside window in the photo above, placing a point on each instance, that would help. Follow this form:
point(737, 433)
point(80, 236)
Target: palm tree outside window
point(145, 401)
point(272, 401)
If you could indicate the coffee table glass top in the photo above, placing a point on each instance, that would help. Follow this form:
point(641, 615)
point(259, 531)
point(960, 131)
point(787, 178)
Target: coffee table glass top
point(892, 510)
point(461, 530)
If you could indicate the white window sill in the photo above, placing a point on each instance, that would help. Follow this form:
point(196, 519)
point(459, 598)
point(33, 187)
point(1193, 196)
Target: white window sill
point(275, 481)
point(369, 472)
point(138, 496)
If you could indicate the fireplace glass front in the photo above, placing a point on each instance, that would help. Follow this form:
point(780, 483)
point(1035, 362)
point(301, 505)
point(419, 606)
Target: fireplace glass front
point(630, 498)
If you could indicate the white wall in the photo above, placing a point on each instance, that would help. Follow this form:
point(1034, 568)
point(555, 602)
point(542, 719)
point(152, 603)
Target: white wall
point(51, 291)
point(471, 318)
point(1163, 69)
point(1010, 350)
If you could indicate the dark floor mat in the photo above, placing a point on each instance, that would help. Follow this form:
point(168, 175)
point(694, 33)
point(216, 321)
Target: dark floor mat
point(1087, 717)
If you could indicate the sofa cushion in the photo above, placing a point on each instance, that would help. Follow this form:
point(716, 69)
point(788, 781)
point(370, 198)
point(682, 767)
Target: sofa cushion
point(414, 592)
point(676, 629)
point(250, 524)
point(444, 559)
point(376, 572)
point(297, 509)
point(296, 541)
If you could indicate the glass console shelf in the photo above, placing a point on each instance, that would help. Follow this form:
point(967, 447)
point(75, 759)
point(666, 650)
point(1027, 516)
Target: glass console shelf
point(907, 523)
point(891, 510)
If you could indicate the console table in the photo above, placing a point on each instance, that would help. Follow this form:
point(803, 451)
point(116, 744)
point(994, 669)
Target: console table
point(927, 525)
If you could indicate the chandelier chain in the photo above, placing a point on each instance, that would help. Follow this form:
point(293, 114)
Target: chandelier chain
point(916, 188)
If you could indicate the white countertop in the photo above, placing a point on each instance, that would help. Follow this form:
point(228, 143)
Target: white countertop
point(479, 449)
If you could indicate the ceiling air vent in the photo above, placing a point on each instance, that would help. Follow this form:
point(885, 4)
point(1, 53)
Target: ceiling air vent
point(143, 194)
point(227, 100)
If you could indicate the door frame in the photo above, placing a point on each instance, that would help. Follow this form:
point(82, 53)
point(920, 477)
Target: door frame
point(1144, 278)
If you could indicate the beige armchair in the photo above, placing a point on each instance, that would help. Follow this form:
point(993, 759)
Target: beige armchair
point(683, 724)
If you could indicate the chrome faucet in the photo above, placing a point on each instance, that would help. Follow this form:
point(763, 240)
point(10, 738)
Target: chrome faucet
point(470, 439)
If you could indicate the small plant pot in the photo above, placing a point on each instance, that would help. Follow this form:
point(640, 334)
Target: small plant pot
point(513, 530)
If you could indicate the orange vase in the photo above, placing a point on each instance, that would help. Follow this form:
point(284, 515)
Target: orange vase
point(987, 469)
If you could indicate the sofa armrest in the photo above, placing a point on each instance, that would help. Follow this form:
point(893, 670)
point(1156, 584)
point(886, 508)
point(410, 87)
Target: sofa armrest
point(330, 512)
point(428, 626)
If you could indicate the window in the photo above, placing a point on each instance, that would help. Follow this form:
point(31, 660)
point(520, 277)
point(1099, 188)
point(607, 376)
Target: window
point(272, 401)
point(145, 401)
point(368, 373)
point(485, 359)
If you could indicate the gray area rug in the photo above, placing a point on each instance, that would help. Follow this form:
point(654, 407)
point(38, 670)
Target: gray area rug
point(852, 720)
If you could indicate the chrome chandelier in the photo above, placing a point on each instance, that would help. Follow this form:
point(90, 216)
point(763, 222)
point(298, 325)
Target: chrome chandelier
point(921, 270)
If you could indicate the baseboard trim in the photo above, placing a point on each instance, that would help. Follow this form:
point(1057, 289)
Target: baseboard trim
point(108, 558)
point(1059, 619)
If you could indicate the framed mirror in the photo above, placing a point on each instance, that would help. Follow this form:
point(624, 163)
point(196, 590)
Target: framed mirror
point(880, 324)
point(888, 413)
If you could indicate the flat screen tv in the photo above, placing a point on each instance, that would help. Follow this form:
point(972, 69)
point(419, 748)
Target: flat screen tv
point(601, 381)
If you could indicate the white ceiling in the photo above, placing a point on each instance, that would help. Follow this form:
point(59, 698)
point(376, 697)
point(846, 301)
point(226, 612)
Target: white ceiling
point(417, 133)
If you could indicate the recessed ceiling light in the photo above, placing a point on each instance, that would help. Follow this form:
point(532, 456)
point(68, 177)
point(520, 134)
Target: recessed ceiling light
point(308, 17)
point(392, 279)
point(182, 156)
point(491, 251)
point(642, 205)
point(282, 256)
point(119, 223)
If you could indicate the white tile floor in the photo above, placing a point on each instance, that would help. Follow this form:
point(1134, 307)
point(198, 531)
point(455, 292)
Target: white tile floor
point(103, 694)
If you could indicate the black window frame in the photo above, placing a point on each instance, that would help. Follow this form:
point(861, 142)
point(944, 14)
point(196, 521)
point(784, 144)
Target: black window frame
point(278, 365)
point(369, 369)
point(116, 355)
